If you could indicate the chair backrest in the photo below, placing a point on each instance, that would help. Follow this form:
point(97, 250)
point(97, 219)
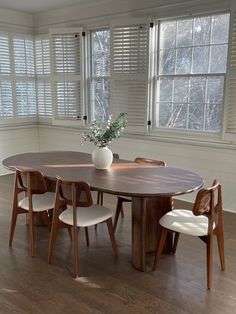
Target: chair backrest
point(142, 160)
point(74, 193)
point(30, 181)
point(116, 156)
point(206, 204)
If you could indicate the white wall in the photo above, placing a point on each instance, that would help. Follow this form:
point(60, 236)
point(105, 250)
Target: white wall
point(17, 140)
point(209, 162)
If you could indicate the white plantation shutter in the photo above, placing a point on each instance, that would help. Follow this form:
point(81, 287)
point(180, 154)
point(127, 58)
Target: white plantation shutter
point(6, 103)
point(43, 78)
point(42, 56)
point(231, 81)
point(4, 54)
point(6, 99)
point(67, 73)
point(24, 69)
point(129, 71)
point(26, 99)
point(23, 49)
point(44, 98)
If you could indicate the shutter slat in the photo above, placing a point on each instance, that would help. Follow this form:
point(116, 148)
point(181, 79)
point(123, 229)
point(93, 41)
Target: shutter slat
point(26, 99)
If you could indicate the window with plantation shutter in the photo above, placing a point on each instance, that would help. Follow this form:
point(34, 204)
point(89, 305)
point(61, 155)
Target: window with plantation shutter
point(23, 47)
point(26, 99)
point(6, 103)
point(6, 100)
point(231, 81)
point(129, 71)
point(24, 70)
point(67, 74)
point(43, 78)
point(4, 54)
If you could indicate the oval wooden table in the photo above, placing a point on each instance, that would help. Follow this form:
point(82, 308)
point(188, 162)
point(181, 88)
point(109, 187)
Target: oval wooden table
point(150, 187)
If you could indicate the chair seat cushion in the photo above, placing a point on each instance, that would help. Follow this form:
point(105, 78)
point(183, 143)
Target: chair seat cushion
point(41, 202)
point(184, 221)
point(86, 216)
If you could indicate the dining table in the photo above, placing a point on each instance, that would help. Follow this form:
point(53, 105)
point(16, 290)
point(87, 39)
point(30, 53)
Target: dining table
point(150, 187)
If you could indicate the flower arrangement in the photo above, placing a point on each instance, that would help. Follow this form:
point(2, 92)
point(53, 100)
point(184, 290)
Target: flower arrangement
point(103, 133)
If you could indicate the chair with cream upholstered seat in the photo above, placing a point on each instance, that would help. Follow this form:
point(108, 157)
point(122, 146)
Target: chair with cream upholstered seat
point(203, 221)
point(80, 212)
point(125, 199)
point(37, 199)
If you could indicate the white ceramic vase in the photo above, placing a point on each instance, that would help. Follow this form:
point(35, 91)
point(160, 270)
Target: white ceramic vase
point(102, 157)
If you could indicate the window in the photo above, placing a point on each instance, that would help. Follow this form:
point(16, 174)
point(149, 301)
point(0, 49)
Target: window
point(6, 101)
point(192, 62)
point(100, 75)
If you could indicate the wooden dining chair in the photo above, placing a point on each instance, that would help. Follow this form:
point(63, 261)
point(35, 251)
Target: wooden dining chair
point(80, 213)
point(203, 221)
point(37, 199)
point(125, 199)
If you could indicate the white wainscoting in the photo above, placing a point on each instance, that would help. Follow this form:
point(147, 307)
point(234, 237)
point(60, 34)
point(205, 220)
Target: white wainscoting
point(209, 162)
point(17, 140)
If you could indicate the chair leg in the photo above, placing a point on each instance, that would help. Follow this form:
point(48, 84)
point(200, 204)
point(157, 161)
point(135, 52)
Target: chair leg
point(175, 242)
point(112, 236)
point(86, 236)
point(31, 232)
point(119, 208)
point(13, 225)
point(220, 241)
point(76, 259)
point(53, 236)
point(160, 247)
point(122, 212)
point(209, 244)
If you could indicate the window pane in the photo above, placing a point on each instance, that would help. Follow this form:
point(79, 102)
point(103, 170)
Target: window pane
point(166, 86)
point(196, 117)
point(168, 34)
point(183, 60)
point(220, 29)
point(200, 59)
point(218, 59)
point(213, 117)
point(184, 33)
point(181, 88)
point(101, 53)
point(197, 89)
point(180, 116)
point(100, 72)
point(215, 90)
point(201, 31)
point(100, 98)
point(167, 61)
point(165, 114)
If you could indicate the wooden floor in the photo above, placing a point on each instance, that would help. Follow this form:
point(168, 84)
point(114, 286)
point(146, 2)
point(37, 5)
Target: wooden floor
point(30, 285)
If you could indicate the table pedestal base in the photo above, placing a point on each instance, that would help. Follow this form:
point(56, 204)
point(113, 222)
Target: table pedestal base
point(146, 229)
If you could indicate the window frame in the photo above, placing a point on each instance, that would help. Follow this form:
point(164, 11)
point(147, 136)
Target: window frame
point(154, 76)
